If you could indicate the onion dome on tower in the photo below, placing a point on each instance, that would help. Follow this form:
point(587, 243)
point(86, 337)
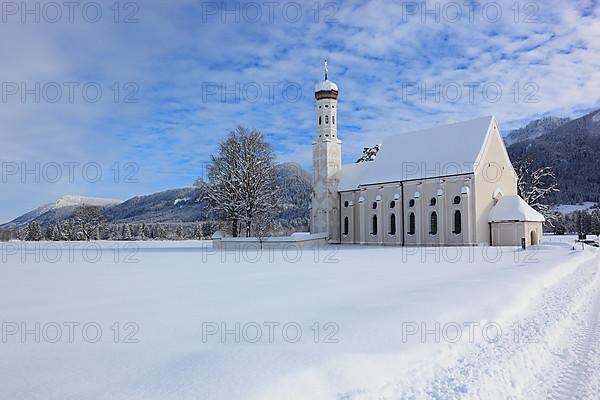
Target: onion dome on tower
point(326, 89)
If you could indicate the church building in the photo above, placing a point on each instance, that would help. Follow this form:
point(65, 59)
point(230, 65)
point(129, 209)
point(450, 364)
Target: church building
point(448, 185)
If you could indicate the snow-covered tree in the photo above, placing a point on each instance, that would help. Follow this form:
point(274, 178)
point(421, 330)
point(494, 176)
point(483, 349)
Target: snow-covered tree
point(54, 233)
point(34, 232)
point(179, 232)
point(208, 229)
point(369, 153)
point(126, 232)
point(535, 185)
point(596, 221)
point(263, 225)
point(88, 219)
point(159, 232)
point(242, 185)
point(22, 233)
point(560, 223)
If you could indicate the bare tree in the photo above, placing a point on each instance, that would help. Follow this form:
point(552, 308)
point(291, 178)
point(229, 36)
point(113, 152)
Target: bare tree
point(88, 219)
point(242, 185)
point(535, 185)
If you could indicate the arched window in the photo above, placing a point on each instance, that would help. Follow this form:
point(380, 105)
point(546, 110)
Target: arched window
point(457, 222)
point(319, 120)
point(433, 224)
point(346, 226)
point(457, 200)
point(393, 224)
point(411, 224)
point(411, 203)
point(374, 225)
point(326, 119)
point(333, 119)
point(374, 205)
point(392, 204)
point(432, 201)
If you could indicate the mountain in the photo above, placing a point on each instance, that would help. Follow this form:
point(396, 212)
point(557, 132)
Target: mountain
point(573, 151)
point(175, 205)
point(535, 129)
point(62, 207)
point(178, 205)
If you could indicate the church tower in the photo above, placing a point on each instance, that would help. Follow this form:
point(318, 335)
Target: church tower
point(327, 161)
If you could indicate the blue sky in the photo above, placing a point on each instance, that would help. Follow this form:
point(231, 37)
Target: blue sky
point(174, 58)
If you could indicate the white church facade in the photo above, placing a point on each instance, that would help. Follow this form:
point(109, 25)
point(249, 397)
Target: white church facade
point(448, 185)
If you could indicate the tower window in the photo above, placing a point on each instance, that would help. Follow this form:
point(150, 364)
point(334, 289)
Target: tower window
point(393, 224)
point(392, 204)
point(333, 119)
point(433, 201)
point(374, 225)
point(346, 226)
point(326, 119)
point(374, 205)
point(319, 120)
point(457, 200)
point(411, 224)
point(457, 222)
point(346, 204)
point(411, 203)
point(433, 224)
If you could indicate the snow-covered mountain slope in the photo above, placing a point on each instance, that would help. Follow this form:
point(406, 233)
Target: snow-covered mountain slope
point(573, 151)
point(535, 129)
point(178, 205)
point(68, 201)
point(65, 202)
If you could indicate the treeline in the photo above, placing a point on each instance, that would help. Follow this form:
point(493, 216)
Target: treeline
point(72, 231)
point(584, 222)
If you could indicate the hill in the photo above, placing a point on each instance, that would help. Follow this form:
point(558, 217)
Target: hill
point(177, 205)
point(573, 150)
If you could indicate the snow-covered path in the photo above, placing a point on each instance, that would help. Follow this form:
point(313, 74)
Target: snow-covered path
point(580, 373)
point(552, 351)
point(534, 316)
point(564, 328)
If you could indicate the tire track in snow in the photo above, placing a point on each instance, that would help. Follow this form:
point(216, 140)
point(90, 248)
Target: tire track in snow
point(490, 362)
point(573, 379)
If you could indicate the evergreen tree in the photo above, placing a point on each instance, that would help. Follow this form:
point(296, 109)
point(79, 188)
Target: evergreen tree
point(88, 218)
point(595, 222)
point(34, 232)
point(126, 232)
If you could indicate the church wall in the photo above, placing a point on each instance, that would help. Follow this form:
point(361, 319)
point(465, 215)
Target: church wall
point(493, 174)
point(348, 207)
point(360, 212)
point(442, 191)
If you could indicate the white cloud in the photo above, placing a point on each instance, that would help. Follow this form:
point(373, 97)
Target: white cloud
point(372, 51)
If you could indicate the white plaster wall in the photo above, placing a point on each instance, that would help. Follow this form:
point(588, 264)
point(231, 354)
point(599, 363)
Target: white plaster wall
point(494, 173)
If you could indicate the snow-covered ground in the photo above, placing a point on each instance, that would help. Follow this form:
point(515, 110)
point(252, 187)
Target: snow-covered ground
point(164, 320)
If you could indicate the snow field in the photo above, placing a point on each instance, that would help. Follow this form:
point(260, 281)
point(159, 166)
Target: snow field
point(365, 299)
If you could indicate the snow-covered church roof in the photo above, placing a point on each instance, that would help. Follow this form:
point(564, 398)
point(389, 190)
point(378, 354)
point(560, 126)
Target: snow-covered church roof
point(513, 208)
point(444, 150)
